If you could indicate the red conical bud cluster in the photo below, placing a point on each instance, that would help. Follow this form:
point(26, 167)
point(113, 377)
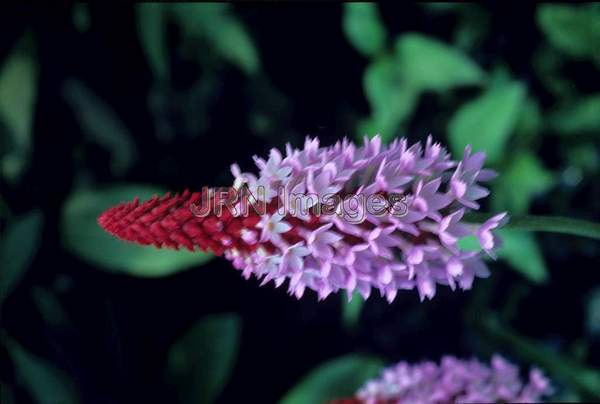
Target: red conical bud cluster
point(169, 221)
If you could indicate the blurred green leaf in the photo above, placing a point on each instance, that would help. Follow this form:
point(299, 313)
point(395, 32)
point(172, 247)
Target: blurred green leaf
point(585, 379)
point(334, 379)
point(214, 23)
point(18, 89)
point(6, 394)
point(101, 125)
point(18, 247)
point(529, 122)
point(522, 252)
point(442, 7)
point(592, 318)
point(392, 99)
point(201, 362)
point(351, 310)
point(487, 121)
point(50, 307)
point(581, 115)
point(548, 63)
point(47, 384)
point(81, 16)
point(584, 157)
point(152, 30)
point(574, 29)
point(469, 243)
point(82, 235)
point(472, 27)
point(363, 27)
point(429, 64)
point(523, 178)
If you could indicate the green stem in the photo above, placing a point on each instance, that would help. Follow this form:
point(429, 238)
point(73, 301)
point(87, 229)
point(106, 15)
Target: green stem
point(552, 224)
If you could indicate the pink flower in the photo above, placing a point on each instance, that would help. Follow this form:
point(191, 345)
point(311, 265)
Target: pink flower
point(327, 236)
point(454, 381)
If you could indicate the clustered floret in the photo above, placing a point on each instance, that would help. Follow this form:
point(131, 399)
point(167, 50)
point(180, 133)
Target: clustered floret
point(414, 248)
point(454, 381)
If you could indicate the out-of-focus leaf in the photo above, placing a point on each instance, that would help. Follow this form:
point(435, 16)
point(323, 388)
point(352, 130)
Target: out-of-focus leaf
point(363, 27)
point(81, 16)
point(48, 305)
point(529, 122)
point(334, 379)
point(584, 157)
point(472, 26)
point(201, 361)
point(487, 121)
point(82, 235)
point(547, 63)
point(392, 99)
point(18, 89)
point(214, 23)
point(6, 394)
point(522, 179)
point(559, 366)
point(469, 243)
point(152, 30)
point(442, 7)
point(581, 115)
point(101, 125)
point(351, 310)
point(523, 254)
point(18, 247)
point(592, 320)
point(47, 384)
point(574, 29)
point(429, 64)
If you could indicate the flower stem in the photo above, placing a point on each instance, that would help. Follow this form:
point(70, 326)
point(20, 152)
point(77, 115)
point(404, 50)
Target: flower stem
point(552, 224)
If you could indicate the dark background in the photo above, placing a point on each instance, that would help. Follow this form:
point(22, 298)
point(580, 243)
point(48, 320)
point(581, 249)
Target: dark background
point(187, 130)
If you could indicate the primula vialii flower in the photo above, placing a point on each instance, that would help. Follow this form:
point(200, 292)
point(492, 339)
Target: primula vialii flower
point(332, 218)
point(452, 381)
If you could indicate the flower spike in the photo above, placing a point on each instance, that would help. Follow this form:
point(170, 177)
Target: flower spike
point(453, 380)
point(333, 218)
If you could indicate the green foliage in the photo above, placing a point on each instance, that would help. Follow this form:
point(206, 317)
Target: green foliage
point(18, 89)
point(50, 307)
point(101, 125)
point(394, 81)
point(82, 235)
point(487, 121)
point(584, 379)
point(7, 395)
point(581, 115)
point(429, 64)
point(392, 98)
point(522, 252)
point(529, 123)
point(202, 360)
point(351, 310)
point(18, 247)
point(47, 384)
point(213, 22)
point(363, 28)
point(572, 28)
point(592, 318)
point(523, 178)
point(209, 24)
point(81, 16)
point(337, 378)
point(152, 30)
point(469, 243)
